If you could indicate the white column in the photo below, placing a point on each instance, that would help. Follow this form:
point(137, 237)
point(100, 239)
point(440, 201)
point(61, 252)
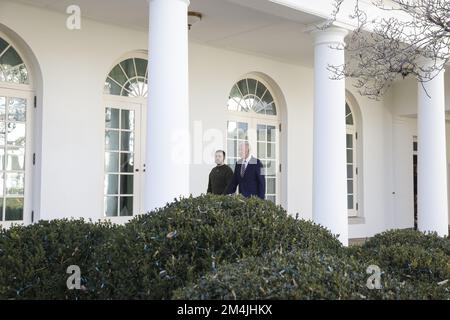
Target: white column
point(167, 140)
point(432, 163)
point(329, 175)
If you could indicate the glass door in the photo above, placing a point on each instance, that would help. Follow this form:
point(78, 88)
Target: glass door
point(15, 159)
point(263, 138)
point(123, 160)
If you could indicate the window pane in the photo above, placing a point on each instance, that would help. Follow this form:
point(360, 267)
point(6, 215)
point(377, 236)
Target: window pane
point(267, 99)
point(3, 45)
point(16, 160)
point(10, 59)
point(348, 115)
point(261, 132)
point(128, 67)
point(127, 120)
point(2, 108)
point(112, 140)
point(349, 186)
point(126, 184)
point(112, 118)
point(260, 91)
point(111, 205)
point(15, 183)
point(270, 109)
point(271, 198)
point(112, 162)
point(349, 171)
point(232, 130)
point(252, 85)
point(349, 155)
point(15, 134)
point(111, 184)
point(235, 93)
point(261, 150)
point(271, 185)
point(118, 75)
point(141, 66)
point(127, 143)
point(271, 168)
point(349, 141)
point(14, 209)
point(231, 163)
point(126, 206)
point(350, 204)
point(1, 207)
point(17, 109)
point(242, 131)
point(271, 133)
point(232, 148)
point(112, 88)
point(271, 147)
point(243, 87)
point(126, 162)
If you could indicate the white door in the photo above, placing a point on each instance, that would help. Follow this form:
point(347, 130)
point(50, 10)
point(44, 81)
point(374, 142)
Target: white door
point(16, 156)
point(263, 137)
point(123, 159)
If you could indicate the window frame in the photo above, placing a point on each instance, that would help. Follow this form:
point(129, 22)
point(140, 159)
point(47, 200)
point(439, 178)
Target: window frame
point(253, 119)
point(24, 91)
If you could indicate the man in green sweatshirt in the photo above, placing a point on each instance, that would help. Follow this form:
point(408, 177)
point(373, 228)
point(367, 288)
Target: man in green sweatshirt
point(220, 176)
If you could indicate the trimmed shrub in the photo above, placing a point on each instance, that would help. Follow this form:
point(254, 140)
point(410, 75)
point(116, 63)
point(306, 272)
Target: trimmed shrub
point(408, 237)
point(191, 237)
point(303, 276)
point(34, 259)
point(216, 247)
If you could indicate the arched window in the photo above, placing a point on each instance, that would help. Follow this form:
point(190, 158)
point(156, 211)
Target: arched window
point(12, 67)
point(126, 89)
point(251, 95)
point(128, 78)
point(253, 117)
point(16, 103)
point(352, 167)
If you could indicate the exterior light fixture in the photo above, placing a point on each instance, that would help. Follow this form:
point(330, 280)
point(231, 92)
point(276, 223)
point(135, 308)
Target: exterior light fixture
point(193, 18)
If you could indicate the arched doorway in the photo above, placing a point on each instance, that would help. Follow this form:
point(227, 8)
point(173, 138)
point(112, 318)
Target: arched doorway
point(125, 101)
point(17, 102)
point(253, 116)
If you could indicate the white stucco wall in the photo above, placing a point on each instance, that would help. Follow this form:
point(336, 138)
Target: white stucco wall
point(74, 65)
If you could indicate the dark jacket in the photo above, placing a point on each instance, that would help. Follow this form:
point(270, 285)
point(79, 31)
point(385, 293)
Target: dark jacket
point(219, 179)
point(253, 183)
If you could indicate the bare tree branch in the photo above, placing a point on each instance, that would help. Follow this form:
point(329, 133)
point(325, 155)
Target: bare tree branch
point(384, 49)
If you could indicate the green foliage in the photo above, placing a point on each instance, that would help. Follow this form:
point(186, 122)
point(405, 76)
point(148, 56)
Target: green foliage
point(216, 247)
point(304, 276)
point(188, 238)
point(34, 258)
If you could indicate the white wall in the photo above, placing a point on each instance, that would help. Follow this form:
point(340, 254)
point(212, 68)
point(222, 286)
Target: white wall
point(74, 65)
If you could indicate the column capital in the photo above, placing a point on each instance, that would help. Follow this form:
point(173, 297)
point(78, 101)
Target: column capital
point(329, 35)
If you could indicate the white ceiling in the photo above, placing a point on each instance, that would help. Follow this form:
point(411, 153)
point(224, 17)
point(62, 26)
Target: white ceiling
point(253, 26)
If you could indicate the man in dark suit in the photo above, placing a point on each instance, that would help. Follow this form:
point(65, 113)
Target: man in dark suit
point(248, 175)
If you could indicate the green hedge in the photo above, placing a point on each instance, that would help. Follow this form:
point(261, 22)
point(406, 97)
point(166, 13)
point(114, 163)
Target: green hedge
point(34, 258)
point(153, 254)
point(186, 239)
point(215, 247)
